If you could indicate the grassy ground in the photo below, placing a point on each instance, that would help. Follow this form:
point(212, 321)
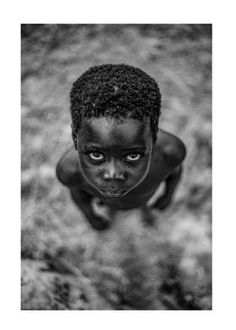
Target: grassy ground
point(66, 264)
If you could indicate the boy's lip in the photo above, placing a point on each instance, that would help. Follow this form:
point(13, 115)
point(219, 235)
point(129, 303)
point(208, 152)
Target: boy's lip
point(112, 193)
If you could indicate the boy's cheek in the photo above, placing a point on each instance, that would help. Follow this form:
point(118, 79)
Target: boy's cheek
point(91, 172)
point(86, 168)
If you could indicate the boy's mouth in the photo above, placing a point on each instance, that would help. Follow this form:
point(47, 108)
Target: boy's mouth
point(112, 193)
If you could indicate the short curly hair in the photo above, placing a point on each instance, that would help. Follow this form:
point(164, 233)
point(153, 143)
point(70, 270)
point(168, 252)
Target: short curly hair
point(118, 91)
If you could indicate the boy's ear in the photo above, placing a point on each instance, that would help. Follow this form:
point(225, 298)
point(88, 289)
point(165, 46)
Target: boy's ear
point(74, 137)
point(76, 142)
point(157, 133)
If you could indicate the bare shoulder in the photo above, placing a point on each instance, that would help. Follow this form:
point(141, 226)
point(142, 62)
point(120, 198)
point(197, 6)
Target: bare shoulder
point(67, 169)
point(173, 149)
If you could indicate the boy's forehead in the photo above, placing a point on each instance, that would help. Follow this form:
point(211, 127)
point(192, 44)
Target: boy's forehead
point(110, 130)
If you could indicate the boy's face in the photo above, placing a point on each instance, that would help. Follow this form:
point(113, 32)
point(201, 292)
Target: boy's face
point(114, 155)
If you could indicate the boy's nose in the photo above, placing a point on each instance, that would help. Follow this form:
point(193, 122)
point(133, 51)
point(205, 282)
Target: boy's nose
point(113, 172)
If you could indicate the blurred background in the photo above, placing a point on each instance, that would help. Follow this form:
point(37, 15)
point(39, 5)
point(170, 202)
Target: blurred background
point(65, 263)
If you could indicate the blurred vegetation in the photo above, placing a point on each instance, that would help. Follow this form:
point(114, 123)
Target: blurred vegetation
point(67, 265)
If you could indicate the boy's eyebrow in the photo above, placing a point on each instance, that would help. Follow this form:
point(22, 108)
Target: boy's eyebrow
point(94, 146)
point(136, 147)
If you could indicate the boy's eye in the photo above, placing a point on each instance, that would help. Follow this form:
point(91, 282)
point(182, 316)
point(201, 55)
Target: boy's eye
point(132, 157)
point(96, 155)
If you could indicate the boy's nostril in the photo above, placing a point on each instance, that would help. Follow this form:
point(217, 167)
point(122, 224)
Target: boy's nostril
point(113, 176)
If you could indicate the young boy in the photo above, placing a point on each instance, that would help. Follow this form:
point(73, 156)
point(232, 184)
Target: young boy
point(119, 156)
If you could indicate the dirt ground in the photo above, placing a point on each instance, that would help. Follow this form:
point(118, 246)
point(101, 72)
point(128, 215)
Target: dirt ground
point(65, 263)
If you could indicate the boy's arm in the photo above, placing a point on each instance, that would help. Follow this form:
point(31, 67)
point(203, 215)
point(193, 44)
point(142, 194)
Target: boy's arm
point(84, 201)
point(68, 174)
point(67, 169)
point(171, 182)
point(174, 152)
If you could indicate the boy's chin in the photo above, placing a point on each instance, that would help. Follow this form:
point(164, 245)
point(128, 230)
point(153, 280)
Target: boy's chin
point(116, 193)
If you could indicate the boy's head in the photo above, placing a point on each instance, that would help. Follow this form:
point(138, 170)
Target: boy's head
point(117, 91)
point(115, 111)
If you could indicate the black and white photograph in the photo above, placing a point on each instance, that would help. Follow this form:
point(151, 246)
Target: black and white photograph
point(116, 167)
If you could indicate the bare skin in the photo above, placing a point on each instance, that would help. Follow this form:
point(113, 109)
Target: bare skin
point(117, 164)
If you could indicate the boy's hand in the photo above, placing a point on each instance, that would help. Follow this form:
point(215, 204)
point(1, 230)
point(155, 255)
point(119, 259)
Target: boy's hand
point(99, 223)
point(163, 202)
point(91, 208)
point(100, 218)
